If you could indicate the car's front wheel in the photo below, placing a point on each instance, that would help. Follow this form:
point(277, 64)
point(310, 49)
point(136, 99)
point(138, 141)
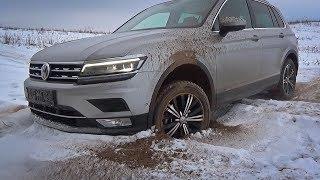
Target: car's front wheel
point(183, 108)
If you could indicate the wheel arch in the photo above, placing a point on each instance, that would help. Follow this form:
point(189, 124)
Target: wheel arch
point(293, 55)
point(170, 75)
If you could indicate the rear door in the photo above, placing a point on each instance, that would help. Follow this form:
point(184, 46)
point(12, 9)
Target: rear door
point(238, 62)
point(272, 40)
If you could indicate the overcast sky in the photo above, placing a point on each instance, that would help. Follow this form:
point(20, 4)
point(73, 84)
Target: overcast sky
point(108, 14)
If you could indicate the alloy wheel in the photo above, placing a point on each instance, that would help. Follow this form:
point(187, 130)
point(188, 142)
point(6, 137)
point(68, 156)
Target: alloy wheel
point(183, 115)
point(289, 79)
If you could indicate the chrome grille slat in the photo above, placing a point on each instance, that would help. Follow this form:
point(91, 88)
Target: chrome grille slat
point(37, 63)
point(34, 75)
point(63, 116)
point(65, 78)
point(59, 71)
point(35, 69)
point(65, 70)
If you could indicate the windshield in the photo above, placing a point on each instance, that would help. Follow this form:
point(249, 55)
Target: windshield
point(173, 14)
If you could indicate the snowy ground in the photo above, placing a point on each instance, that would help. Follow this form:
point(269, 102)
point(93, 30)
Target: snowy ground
point(13, 71)
point(259, 138)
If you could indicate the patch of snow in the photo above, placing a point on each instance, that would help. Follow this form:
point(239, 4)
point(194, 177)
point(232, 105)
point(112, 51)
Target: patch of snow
point(167, 145)
point(9, 108)
point(15, 122)
point(144, 134)
point(13, 72)
point(23, 141)
point(203, 133)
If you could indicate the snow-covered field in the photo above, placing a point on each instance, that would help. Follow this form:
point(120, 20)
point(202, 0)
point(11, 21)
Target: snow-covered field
point(38, 38)
point(259, 138)
point(309, 46)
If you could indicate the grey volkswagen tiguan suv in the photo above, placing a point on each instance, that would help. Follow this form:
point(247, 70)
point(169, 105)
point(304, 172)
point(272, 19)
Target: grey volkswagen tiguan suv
point(171, 66)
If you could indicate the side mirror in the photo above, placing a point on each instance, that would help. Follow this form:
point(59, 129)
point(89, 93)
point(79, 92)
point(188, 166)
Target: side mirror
point(230, 24)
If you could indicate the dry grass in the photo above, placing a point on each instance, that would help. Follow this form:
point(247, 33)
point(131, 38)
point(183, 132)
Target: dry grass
point(306, 21)
point(41, 30)
point(19, 40)
point(41, 38)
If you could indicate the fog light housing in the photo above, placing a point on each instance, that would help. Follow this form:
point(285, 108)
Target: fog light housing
point(113, 123)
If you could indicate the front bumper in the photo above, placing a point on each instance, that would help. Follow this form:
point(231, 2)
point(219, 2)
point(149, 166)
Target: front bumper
point(89, 126)
point(76, 113)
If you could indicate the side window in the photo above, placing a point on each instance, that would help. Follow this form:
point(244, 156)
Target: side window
point(188, 17)
point(234, 8)
point(279, 19)
point(274, 19)
point(262, 16)
point(155, 21)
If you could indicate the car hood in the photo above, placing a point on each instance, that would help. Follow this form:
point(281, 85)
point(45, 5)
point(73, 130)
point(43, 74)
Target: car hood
point(112, 45)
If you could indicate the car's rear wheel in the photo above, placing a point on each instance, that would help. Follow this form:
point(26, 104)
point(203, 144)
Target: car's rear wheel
point(287, 84)
point(183, 109)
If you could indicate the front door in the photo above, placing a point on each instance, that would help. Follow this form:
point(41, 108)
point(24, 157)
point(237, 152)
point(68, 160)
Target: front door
point(238, 62)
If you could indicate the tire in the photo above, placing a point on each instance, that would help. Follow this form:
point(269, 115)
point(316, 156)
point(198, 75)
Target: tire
point(172, 116)
point(287, 83)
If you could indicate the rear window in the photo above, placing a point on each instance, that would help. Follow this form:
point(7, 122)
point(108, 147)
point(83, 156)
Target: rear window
point(262, 16)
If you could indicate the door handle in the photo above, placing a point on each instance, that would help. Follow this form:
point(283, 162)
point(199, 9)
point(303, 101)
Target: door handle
point(255, 38)
point(281, 35)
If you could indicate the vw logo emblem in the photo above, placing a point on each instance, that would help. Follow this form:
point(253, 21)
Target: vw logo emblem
point(45, 71)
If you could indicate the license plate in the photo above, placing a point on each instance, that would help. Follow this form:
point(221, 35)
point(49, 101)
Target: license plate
point(41, 97)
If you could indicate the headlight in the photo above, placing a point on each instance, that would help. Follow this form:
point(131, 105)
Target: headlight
point(111, 66)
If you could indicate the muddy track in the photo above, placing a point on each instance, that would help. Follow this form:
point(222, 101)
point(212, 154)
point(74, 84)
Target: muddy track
point(308, 92)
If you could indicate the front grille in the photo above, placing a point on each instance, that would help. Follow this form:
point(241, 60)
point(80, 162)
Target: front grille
point(60, 72)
